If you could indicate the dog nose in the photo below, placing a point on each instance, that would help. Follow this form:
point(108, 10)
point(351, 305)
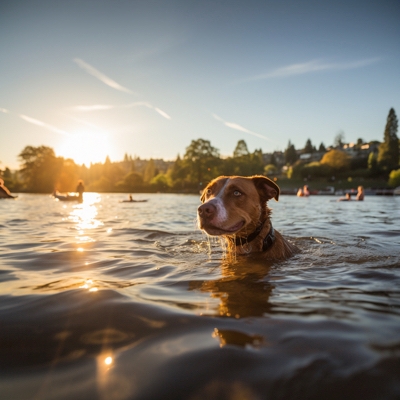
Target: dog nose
point(206, 210)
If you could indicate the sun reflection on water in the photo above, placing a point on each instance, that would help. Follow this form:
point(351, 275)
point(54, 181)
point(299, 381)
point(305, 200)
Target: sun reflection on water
point(84, 217)
point(84, 214)
point(108, 360)
point(89, 285)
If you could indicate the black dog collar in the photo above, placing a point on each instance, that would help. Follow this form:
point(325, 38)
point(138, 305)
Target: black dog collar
point(268, 241)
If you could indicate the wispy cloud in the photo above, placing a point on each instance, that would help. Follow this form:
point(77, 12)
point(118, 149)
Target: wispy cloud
point(4, 110)
point(162, 113)
point(43, 124)
point(238, 127)
point(102, 107)
point(110, 82)
point(311, 66)
point(100, 76)
point(83, 122)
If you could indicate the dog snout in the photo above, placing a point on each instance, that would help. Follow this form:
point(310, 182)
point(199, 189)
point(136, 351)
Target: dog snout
point(206, 210)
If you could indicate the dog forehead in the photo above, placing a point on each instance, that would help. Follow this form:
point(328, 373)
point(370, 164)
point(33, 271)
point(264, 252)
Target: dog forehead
point(222, 185)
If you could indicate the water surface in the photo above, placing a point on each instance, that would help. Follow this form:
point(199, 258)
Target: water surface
point(111, 300)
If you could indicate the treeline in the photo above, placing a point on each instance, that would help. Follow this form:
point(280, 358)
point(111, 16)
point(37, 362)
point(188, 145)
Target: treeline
point(42, 171)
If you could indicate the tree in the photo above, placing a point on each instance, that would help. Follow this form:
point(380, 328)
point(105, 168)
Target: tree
point(290, 154)
point(39, 168)
point(308, 148)
point(241, 149)
point(322, 148)
point(336, 159)
point(339, 139)
point(160, 182)
point(270, 169)
point(68, 176)
point(132, 182)
point(388, 155)
point(178, 173)
point(149, 171)
point(373, 164)
point(200, 158)
point(394, 178)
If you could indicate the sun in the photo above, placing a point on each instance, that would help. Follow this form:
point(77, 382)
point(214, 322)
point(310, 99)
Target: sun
point(85, 147)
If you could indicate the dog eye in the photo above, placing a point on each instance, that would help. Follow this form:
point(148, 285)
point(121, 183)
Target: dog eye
point(208, 191)
point(237, 193)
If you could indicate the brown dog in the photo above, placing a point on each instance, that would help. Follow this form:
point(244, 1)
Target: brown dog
point(235, 207)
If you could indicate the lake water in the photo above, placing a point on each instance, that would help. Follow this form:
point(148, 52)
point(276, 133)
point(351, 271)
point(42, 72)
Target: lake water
point(111, 300)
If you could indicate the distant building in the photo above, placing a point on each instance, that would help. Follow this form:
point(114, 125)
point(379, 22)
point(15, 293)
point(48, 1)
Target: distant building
point(310, 157)
point(362, 150)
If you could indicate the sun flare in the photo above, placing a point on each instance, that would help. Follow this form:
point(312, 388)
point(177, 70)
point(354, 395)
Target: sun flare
point(85, 147)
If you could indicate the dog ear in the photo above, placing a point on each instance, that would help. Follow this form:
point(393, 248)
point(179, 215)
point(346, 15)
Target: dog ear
point(266, 187)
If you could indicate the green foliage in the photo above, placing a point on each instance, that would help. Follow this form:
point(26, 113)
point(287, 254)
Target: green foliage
point(388, 156)
point(310, 171)
point(10, 180)
point(160, 183)
point(132, 182)
point(270, 169)
point(373, 164)
point(358, 163)
point(338, 160)
point(150, 171)
point(39, 168)
point(394, 178)
point(201, 160)
point(241, 149)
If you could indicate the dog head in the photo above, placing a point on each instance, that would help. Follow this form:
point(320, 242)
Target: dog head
point(235, 204)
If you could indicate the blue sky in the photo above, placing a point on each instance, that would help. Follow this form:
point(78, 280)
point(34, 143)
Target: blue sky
point(97, 78)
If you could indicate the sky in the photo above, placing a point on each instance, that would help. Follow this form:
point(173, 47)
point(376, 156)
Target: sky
point(145, 78)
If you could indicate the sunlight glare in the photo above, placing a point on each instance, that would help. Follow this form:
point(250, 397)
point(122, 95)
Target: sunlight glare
point(85, 147)
point(108, 360)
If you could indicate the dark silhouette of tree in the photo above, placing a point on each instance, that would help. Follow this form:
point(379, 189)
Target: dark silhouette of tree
point(338, 141)
point(322, 148)
point(39, 168)
point(290, 154)
point(388, 156)
point(308, 148)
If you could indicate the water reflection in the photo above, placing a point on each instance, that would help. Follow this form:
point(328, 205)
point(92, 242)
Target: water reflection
point(108, 360)
point(237, 338)
point(243, 289)
point(84, 214)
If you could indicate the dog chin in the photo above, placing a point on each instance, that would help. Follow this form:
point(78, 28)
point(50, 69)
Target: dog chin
point(219, 231)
